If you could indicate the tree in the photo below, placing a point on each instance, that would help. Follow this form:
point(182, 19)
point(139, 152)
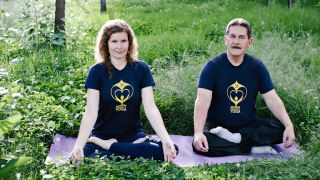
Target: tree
point(59, 24)
point(265, 2)
point(103, 6)
point(289, 3)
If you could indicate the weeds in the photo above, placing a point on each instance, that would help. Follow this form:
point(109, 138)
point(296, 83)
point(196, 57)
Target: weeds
point(176, 44)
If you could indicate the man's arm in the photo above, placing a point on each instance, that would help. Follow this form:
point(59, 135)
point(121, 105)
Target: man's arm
point(202, 105)
point(276, 106)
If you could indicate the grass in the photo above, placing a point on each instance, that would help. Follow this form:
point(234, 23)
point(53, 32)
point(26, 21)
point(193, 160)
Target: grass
point(176, 38)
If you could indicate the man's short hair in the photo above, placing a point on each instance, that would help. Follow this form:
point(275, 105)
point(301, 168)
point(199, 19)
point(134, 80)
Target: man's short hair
point(239, 22)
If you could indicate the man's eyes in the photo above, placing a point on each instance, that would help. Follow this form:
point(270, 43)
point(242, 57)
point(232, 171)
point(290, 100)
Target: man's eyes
point(240, 37)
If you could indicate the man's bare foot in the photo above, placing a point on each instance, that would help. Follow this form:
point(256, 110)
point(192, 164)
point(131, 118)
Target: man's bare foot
point(105, 144)
point(140, 140)
point(226, 134)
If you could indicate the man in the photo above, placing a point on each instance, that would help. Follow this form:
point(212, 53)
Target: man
point(225, 119)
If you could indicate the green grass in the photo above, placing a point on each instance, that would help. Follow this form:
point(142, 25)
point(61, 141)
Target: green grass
point(176, 38)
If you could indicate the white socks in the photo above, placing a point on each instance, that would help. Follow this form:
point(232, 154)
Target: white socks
point(226, 134)
point(263, 149)
point(236, 138)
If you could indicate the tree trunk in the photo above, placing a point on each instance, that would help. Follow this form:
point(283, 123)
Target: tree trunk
point(265, 2)
point(103, 6)
point(59, 24)
point(289, 3)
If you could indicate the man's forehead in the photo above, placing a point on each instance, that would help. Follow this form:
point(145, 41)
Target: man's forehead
point(239, 30)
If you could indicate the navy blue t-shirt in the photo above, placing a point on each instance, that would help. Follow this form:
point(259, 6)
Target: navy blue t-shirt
point(234, 89)
point(120, 98)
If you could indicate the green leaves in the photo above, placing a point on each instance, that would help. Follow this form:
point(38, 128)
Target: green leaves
point(11, 164)
point(59, 38)
point(46, 88)
point(9, 123)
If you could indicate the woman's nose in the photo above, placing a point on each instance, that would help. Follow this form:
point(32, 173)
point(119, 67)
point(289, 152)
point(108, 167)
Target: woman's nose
point(119, 45)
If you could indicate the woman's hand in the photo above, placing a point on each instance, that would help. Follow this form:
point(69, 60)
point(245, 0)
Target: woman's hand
point(169, 151)
point(77, 154)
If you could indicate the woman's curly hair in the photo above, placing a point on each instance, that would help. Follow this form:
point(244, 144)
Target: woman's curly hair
point(102, 54)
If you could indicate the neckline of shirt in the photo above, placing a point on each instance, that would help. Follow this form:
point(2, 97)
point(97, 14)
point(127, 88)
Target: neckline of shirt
point(120, 69)
point(240, 65)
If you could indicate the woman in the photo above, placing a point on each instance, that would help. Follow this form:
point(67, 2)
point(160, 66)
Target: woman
point(116, 85)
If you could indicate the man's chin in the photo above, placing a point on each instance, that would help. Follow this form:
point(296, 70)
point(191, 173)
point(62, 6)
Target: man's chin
point(236, 53)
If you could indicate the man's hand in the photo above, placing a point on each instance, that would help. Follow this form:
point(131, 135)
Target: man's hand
point(288, 136)
point(169, 151)
point(200, 142)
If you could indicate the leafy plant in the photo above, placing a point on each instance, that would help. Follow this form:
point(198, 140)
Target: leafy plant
point(8, 164)
point(7, 124)
point(46, 86)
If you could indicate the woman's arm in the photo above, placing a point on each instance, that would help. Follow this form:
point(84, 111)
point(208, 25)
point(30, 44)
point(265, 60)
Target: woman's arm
point(87, 123)
point(157, 124)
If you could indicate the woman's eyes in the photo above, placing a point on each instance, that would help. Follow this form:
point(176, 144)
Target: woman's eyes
point(115, 41)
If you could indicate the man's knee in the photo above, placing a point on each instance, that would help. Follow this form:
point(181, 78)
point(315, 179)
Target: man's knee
point(177, 148)
point(217, 146)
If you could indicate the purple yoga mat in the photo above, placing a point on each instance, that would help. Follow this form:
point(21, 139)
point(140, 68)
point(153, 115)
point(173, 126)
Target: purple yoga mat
point(62, 146)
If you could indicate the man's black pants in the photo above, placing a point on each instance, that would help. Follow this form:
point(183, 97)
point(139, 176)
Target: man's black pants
point(262, 132)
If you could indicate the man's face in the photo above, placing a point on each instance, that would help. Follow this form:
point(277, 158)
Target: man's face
point(237, 41)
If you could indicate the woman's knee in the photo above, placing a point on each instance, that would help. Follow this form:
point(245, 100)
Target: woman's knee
point(93, 150)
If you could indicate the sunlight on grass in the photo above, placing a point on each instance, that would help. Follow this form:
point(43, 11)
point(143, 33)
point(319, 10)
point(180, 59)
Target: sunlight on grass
point(175, 38)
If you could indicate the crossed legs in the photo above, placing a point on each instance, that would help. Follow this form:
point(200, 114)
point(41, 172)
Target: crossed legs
point(141, 146)
point(236, 138)
point(262, 134)
point(106, 144)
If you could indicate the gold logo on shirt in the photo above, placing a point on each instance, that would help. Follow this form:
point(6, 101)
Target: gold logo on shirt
point(121, 92)
point(236, 93)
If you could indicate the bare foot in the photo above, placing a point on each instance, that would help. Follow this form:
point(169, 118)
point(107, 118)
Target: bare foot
point(105, 144)
point(91, 139)
point(140, 140)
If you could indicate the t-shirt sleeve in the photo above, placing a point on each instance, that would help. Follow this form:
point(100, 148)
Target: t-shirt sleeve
point(265, 83)
point(147, 76)
point(93, 80)
point(206, 76)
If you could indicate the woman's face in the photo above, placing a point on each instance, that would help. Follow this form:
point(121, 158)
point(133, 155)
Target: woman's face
point(118, 46)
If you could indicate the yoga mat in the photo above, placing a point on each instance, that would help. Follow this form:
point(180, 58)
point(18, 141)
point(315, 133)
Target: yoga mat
point(187, 157)
point(62, 147)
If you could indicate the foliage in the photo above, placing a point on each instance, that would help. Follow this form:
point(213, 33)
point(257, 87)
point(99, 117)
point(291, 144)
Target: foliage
point(8, 163)
point(8, 124)
point(102, 168)
point(12, 163)
point(45, 85)
point(36, 24)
